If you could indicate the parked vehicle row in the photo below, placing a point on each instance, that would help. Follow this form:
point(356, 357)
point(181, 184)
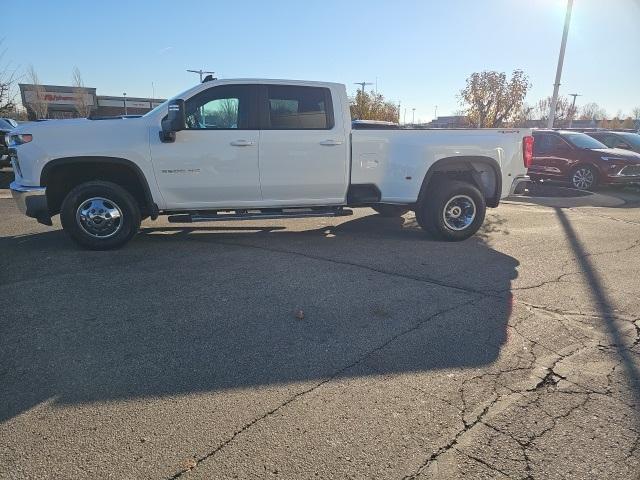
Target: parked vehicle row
point(586, 160)
point(252, 149)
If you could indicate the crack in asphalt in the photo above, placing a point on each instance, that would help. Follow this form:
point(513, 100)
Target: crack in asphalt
point(608, 217)
point(416, 278)
point(558, 279)
point(545, 384)
point(485, 463)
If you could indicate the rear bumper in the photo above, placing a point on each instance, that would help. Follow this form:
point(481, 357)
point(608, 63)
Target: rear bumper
point(518, 181)
point(32, 201)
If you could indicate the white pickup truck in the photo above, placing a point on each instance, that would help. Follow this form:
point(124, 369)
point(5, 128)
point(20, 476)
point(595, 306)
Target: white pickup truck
point(251, 149)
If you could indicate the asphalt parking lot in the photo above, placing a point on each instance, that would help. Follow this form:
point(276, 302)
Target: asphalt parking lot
point(327, 348)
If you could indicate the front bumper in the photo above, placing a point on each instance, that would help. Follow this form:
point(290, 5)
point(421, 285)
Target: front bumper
point(628, 174)
point(32, 201)
point(518, 181)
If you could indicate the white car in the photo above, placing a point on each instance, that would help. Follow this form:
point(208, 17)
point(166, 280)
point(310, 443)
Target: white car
point(247, 149)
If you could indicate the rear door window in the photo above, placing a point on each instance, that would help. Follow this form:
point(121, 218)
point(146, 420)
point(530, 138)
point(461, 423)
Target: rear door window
point(298, 108)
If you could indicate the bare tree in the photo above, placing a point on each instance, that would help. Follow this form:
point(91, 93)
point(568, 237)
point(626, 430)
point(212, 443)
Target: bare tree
point(565, 111)
point(635, 113)
point(524, 116)
point(592, 111)
point(7, 82)
point(37, 104)
point(82, 106)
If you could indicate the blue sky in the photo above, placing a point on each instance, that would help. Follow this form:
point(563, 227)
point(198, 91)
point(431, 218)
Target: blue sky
point(420, 51)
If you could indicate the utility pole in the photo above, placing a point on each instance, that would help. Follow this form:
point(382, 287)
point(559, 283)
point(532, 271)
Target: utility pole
point(563, 46)
point(362, 85)
point(201, 73)
point(573, 107)
point(124, 100)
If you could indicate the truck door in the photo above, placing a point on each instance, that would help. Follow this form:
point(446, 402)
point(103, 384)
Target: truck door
point(304, 150)
point(214, 162)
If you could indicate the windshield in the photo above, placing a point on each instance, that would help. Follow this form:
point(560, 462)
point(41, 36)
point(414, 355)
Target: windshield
point(582, 140)
point(632, 138)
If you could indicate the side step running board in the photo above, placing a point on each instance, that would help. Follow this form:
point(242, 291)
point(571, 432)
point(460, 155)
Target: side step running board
point(257, 215)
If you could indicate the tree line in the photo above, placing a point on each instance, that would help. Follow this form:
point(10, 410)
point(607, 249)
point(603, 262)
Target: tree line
point(490, 99)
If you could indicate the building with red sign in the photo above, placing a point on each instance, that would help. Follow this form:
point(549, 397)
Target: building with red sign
point(71, 102)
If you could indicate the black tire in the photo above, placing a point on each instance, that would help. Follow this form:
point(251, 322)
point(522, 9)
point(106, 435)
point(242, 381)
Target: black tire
point(430, 213)
point(110, 231)
point(390, 210)
point(580, 176)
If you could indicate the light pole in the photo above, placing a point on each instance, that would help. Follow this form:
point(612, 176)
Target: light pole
point(563, 46)
point(413, 116)
point(398, 111)
point(404, 116)
point(362, 85)
point(435, 113)
point(124, 100)
point(201, 73)
point(573, 107)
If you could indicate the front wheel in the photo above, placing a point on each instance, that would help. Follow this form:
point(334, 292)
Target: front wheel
point(584, 177)
point(454, 211)
point(100, 215)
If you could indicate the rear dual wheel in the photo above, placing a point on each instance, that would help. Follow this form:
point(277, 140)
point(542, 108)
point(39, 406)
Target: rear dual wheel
point(453, 211)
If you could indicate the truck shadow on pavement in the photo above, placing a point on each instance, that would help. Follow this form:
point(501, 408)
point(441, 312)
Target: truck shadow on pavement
point(183, 310)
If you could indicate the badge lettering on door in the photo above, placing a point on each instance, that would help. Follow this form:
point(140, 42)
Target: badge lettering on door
point(182, 170)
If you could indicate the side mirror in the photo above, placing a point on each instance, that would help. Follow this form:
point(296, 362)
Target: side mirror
point(174, 122)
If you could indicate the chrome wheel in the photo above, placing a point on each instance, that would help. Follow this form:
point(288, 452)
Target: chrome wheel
point(583, 178)
point(459, 212)
point(99, 217)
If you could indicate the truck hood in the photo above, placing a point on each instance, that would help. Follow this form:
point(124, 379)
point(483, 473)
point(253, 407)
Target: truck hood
point(122, 138)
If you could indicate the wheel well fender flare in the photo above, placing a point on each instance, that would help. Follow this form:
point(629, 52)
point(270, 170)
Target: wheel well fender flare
point(465, 164)
point(122, 162)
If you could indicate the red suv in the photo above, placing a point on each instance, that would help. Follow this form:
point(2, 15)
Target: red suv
point(582, 161)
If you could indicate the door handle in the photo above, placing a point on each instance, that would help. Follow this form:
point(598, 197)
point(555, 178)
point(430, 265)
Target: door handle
point(330, 142)
point(242, 143)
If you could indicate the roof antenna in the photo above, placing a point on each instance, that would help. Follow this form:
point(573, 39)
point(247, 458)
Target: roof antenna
point(209, 78)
